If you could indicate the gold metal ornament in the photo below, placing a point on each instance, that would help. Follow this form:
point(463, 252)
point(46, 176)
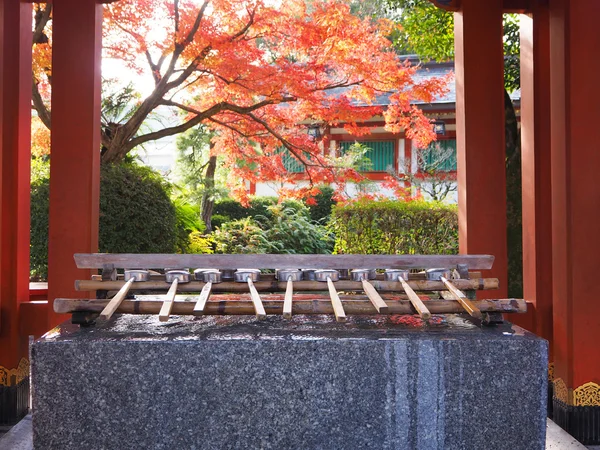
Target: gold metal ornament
point(12, 377)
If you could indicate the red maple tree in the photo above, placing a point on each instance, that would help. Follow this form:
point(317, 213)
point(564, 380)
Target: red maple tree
point(253, 72)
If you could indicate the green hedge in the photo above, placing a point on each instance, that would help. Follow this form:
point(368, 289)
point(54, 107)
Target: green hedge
point(394, 227)
point(136, 214)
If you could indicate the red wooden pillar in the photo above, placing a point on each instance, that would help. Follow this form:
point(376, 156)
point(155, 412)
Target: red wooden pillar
point(75, 161)
point(535, 163)
point(575, 153)
point(480, 133)
point(15, 155)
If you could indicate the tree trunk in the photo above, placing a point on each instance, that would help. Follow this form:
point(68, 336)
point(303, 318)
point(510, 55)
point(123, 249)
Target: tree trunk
point(208, 197)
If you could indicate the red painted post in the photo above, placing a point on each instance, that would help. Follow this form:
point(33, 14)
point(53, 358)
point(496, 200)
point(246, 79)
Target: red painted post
point(574, 39)
point(75, 162)
point(535, 164)
point(480, 133)
point(15, 156)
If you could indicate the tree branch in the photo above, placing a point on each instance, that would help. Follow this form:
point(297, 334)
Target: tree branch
point(39, 105)
point(212, 111)
point(190, 37)
point(234, 129)
point(294, 149)
point(246, 27)
point(42, 16)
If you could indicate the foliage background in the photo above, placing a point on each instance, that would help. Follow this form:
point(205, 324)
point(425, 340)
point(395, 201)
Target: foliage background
point(394, 227)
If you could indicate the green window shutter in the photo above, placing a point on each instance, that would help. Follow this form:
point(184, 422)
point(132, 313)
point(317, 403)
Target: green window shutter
point(445, 149)
point(380, 153)
point(291, 164)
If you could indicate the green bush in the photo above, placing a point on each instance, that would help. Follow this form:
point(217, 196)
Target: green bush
point(321, 210)
point(40, 195)
point(296, 206)
point(187, 223)
point(229, 209)
point(136, 214)
point(259, 206)
point(283, 230)
point(218, 220)
point(199, 243)
point(394, 227)
point(241, 236)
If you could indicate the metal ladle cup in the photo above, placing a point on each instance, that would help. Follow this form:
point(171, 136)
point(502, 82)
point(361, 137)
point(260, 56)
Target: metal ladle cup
point(209, 276)
point(174, 277)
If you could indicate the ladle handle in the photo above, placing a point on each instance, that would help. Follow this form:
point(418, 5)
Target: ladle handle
point(287, 300)
point(258, 305)
point(338, 308)
point(113, 305)
point(379, 304)
point(201, 303)
point(461, 298)
point(415, 300)
point(165, 310)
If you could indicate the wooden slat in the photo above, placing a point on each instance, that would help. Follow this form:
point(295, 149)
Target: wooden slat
point(268, 261)
point(375, 298)
point(336, 303)
point(237, 304)
point(114, 303)
point(287, 302)
point(165, 310)
point(275, 286)
point(462, 299)
point(258, 305)
point(416, 301)
point(201, 303)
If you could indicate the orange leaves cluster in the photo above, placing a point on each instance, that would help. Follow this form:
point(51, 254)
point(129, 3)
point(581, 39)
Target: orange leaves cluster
point(40, 138)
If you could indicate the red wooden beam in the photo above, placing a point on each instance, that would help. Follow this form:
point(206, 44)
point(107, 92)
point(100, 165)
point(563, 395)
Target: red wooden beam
point(75, 168)
point(575, 190)
point(536, 192)
point(15, 155)
point(480, 133)
point(33, 318)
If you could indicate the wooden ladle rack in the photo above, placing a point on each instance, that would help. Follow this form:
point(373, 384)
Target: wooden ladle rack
point(425, 290)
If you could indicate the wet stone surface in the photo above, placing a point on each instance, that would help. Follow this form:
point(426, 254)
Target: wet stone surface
point(382, 382)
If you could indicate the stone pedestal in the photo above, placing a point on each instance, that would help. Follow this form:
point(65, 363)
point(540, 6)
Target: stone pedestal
point(235, 383)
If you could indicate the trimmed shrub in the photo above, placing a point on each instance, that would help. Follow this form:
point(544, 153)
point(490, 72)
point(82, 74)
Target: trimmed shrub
point(394, 227)
point(136, 214)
